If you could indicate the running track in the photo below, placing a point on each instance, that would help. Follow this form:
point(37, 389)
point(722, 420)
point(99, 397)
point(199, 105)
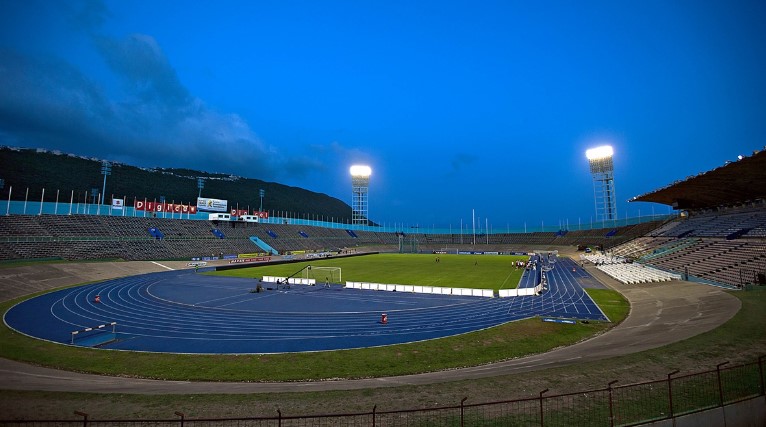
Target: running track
point(184, 312)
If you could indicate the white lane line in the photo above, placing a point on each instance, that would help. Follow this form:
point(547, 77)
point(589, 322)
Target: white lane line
point(163, 266)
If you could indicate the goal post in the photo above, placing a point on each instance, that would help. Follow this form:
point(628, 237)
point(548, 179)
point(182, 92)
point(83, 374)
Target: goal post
point(320, 274)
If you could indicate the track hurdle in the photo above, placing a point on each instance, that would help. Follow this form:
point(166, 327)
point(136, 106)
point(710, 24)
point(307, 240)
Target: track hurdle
point(96, 328)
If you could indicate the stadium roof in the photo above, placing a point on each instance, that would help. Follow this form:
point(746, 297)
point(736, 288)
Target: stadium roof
point(735, 182)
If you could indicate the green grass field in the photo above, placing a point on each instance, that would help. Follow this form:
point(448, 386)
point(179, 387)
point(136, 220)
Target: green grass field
point(503, 342)
point(456, 271)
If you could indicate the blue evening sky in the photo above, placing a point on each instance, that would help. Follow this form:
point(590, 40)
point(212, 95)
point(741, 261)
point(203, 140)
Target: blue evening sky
point(455, 105)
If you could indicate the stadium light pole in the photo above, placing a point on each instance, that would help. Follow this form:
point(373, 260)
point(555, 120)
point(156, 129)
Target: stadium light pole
point(261, 193)
point(200, 185)
point(360, 183)
point(106, 169)
point(602, 171)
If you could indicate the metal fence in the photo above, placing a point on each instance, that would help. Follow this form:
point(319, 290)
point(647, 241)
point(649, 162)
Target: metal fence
point(626, 405)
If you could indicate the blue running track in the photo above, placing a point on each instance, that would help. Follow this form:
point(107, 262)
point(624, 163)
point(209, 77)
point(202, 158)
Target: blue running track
point(184, 312)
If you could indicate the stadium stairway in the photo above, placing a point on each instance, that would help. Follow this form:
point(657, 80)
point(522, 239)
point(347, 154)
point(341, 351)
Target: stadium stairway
point(263, 245)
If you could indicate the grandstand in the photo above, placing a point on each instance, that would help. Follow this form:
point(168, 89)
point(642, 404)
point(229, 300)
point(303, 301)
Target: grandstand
point(719, 238)
point(83, 237)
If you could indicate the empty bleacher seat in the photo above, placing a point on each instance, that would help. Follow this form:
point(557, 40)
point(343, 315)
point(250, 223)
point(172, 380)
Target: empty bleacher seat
point(156, 233)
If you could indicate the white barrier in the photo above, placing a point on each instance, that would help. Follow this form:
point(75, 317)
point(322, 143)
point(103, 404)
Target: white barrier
point(292, 280)
point(505, 293)
point(487, 293)
point(522, 292)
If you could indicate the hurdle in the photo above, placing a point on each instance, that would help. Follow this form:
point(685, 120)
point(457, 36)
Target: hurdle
point(95, 328)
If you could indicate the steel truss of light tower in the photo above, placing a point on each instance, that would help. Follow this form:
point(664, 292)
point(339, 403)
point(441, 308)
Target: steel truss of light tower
point(602, 171)
point(360, 183)
point(106, 170)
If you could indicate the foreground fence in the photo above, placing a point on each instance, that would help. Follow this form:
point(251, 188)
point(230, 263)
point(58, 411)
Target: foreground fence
point(614, 405)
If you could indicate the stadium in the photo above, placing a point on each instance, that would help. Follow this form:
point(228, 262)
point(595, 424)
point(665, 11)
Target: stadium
point(304, 322)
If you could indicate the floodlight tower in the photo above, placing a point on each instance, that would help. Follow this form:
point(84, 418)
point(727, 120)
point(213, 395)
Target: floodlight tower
point(106, 169)
point(200, 185)
point(360, 182)
point(602, 170)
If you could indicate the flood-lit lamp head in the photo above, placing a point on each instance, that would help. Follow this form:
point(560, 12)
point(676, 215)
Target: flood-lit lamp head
point(600, 159)
point(599, 152)
point(360, 170)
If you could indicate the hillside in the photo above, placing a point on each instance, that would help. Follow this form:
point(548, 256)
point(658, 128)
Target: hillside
point(38, 169)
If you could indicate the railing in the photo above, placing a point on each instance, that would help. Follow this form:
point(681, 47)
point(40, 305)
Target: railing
point(627, 405)
point(16, 207)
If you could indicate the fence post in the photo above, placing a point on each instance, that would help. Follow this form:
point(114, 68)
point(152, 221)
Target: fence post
point(542, 422)
point(374, 408)
point(670, 391)
point(84, 418)
point(279, 417)
point(180, 414)
point(720, 385)
point(760, 371)
point(611, 410)
point(462, 412)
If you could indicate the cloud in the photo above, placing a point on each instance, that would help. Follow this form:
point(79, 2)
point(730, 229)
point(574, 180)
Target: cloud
point(145, 70)
point(150, 118)
point(48, 102)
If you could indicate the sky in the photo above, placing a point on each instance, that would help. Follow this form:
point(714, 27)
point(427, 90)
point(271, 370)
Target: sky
point(460, 108)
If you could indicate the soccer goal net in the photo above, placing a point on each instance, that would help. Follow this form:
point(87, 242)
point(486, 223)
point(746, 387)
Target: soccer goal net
point(323, 274)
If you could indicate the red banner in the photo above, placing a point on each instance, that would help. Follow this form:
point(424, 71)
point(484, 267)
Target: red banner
point(240, 212)
point(142, 205)
point(261, 214)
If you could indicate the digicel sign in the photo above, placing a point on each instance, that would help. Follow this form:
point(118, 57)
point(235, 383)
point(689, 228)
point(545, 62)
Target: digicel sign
point(142, 205)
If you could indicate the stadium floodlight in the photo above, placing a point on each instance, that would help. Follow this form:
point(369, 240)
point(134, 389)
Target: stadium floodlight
point(602, 170)
point(360, 183)
point(200, 185)
point(106, 169)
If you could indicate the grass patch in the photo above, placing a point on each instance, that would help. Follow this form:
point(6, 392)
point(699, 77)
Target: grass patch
point(463, 271)
point(614, 305)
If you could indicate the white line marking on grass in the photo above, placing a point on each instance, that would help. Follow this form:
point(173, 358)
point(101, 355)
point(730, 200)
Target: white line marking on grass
point(163, 266)
point(502, 286)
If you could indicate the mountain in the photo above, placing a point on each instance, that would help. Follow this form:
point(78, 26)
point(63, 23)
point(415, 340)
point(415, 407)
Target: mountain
point(35, 169)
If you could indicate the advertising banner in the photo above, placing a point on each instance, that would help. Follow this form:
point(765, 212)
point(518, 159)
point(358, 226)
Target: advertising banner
point(117, 204)
point(240, 212)
point(142, 205)
point(211, 205)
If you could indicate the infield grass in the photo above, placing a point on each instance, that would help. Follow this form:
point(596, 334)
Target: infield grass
point(503, 342)
point(455, 271)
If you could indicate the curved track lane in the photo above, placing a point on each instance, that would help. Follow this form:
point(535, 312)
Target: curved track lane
point(184, 312)
point(660, 314)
